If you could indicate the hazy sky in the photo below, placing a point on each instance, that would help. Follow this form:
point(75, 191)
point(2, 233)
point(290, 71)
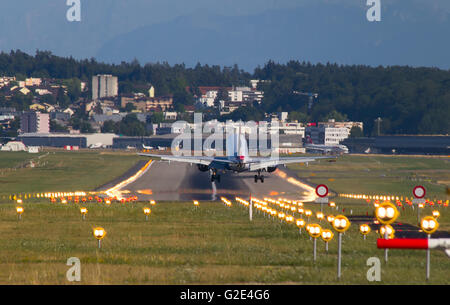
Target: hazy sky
point(41, 24)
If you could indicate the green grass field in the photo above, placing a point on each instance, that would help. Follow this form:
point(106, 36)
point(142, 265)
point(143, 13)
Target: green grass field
point(211, 245)
point(180, 245)
point(63, 171)
point(385, 175)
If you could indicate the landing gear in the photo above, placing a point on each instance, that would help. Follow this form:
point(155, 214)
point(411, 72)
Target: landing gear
point(259, 177)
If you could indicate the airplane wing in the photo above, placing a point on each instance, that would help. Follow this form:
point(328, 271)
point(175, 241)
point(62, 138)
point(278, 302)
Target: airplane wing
point(204, 160)
point(261, 163)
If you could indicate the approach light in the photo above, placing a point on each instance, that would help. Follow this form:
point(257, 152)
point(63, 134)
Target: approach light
point(364, 229)
point(429, 224)
point(330, 218)
point(436, 214)
point(289, 218)
point(320, 215)
point(327, 235)
point(99, 234)
point(83, 212)
point(386, 213)
point(196, 203)
point(308, 213)
point(147, 212)
point(19, 211)
point(386, 231)
point(315, 230)
point(341, 223)
point(300, 223)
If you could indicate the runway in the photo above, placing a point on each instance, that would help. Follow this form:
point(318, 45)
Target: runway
point(182, 182)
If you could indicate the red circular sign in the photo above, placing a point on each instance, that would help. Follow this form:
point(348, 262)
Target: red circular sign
point(419, 192)
point(322, 190)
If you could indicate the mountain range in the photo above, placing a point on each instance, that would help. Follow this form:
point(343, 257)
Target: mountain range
point(413, 33)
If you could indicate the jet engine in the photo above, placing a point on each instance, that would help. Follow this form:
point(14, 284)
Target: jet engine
point(203, 168)
point(271, 169)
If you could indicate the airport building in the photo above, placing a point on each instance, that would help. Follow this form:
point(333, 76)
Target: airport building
point(64, 139)
point(405, 144)
point(327, 135)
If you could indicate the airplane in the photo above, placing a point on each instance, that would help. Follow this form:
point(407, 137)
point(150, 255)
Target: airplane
point(147, 147)
point(236, 160)
point(96, 145)
point(326, 149)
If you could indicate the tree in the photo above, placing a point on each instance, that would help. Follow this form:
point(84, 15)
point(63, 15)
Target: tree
point(157, 117)
point(110, 126)
point(356, 132)
point(55, 127)
point(131, 126)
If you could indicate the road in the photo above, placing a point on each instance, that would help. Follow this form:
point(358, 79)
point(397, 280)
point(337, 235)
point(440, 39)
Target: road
point(181, 182)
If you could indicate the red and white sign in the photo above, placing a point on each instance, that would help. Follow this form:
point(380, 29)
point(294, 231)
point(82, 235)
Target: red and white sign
point(322, 190)
point(413, 243)
point(419, 192)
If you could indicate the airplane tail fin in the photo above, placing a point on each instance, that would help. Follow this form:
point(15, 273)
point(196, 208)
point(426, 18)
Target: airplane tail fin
point(237, 144)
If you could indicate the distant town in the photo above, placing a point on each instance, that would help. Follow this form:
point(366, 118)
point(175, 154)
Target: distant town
point(49, 101)
point(48, 120)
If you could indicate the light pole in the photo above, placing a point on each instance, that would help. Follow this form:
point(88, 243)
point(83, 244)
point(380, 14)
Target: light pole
point(429, 225)
point(340, 224)
point(300, 223)
point(386, 213)
point(327, 236)
point(147, 212)
point(315, 231)
point(83, 212)
point(364, 229)
point(19, 211)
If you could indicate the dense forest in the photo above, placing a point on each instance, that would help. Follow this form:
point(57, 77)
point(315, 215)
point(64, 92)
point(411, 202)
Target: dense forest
point(408, 100)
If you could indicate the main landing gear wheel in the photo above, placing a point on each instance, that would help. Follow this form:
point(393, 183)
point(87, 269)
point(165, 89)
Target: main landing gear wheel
point(215, 177)
point(259, 177)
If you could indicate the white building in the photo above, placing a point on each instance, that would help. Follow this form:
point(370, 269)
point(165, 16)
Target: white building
point(327, 135)
point(14, 146)
point(104, 86)
point(35, 122)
